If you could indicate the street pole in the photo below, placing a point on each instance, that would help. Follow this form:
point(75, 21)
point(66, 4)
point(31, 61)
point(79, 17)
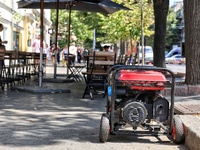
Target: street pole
point(142, 31)
point(69, 5)
point(56, 41)
point(41, 41)
point(94, 40)
point(12, 36)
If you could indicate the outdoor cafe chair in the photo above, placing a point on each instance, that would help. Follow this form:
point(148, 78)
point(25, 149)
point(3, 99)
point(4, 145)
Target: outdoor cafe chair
point(96, 74)
point(73, 68)
point(75, 72)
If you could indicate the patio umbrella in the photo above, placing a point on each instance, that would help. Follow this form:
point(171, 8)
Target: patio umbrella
point(101, 6)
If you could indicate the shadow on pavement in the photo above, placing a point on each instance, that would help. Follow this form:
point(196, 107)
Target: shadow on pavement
point(36, 120)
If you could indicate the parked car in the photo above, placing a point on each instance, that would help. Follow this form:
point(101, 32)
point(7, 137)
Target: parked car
point(166, 52)
point(175, 59)
point(148, 54)
point(174, 51)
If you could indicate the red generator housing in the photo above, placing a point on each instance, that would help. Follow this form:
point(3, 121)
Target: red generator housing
point(134, 98)
point(143, 80)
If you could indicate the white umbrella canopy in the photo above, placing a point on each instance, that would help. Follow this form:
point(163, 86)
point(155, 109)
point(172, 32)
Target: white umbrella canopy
point(100, 6)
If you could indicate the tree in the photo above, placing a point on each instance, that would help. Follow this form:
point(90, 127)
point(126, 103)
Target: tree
point(160, 12)
point(110, 28)
point(92, 20)
point(172, 33)
point(126, 26)
point(192, 41)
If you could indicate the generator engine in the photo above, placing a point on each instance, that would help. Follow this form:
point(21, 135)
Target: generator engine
point(134, 113)
point(149, 105)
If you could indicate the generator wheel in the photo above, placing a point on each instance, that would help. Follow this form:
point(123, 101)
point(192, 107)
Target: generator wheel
point(104, 128)
point(177, 130)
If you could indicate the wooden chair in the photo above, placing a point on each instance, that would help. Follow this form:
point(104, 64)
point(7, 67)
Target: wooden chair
point(127, 59)
point(97, 72)
point(10, 56)
point(122, 59)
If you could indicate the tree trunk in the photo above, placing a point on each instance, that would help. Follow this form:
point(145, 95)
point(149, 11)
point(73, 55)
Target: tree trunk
point(192, 41)
point(160, 12)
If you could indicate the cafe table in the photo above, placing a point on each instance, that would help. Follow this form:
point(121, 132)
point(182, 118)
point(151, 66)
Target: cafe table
point(75, 71)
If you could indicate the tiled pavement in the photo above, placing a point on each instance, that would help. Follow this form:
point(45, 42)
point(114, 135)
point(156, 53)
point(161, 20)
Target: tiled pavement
point(65, 121)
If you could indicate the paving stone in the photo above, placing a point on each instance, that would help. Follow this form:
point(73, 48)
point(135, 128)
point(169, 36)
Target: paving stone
point(192, 134)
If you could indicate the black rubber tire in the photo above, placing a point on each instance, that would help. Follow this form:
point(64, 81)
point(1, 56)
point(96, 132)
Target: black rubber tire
point(178, 136)
point(104, 128)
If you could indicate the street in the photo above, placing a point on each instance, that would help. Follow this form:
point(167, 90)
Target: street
point(176, 67)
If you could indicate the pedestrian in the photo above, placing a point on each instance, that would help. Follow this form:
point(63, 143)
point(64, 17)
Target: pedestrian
point(79, 55)
point(73, 51)
point(2, 47)
point(107, 48)
point(47, 52)
point(1, 29)
point(36, 45)
point(64, 55)
point(58, 54)
point(85, 53)
point(53, 52)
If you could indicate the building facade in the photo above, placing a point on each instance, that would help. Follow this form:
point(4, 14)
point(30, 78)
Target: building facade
point(22, 26)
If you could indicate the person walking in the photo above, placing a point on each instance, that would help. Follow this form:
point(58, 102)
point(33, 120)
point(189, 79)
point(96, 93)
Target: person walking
point(2, 48)
point(53, 52)
point(79, 55)
point(64, 55)
point(85, 53)
point(73, 51)
point(2, 42)
point(47, 52)
point(36, 45)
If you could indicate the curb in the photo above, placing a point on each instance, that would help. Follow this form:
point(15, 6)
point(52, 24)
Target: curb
point(184, 90)
point(40, 90)
point(192, 131)
point(56, 80)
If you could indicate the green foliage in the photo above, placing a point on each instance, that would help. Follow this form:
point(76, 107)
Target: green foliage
point(109, 28)
point(127, 24)
point(172, 35)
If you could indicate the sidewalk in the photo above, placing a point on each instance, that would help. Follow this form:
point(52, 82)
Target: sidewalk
point(65, 121)
point(192, 134)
